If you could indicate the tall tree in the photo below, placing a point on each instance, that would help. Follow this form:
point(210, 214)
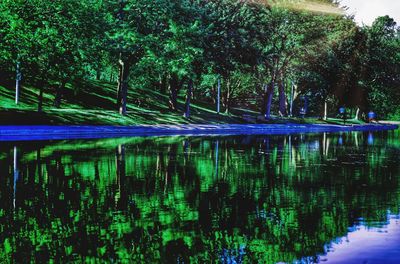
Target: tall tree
point(381, 62)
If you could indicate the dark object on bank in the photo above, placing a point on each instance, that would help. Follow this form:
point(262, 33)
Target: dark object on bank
point(372, 117)
point(342, 114)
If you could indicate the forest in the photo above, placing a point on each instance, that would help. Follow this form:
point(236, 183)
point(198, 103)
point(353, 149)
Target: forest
point(270, 57)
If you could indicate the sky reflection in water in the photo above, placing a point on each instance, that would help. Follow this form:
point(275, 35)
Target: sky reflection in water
point(367, 245)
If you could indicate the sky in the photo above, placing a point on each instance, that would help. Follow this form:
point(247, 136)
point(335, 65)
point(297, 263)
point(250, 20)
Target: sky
point(366, 11)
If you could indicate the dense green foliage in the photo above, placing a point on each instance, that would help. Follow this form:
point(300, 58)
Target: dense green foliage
point(257, 50)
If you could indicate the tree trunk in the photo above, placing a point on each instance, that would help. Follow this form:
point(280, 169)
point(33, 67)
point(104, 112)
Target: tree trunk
point(119, 84)
point(123, 86)
point(269, 95)
point(59, 90)
point(219, 96)
point(282, 99)
point(111, 76)
point(98, 74)
point(174, 87)
point(17, 83)
point(228, 97)
point(291, 99)
point(163, 84)
point(173, 93)
point(40, 98)
point(264, 99)
point(357, 114)
point(188, 96)
point(325, 110)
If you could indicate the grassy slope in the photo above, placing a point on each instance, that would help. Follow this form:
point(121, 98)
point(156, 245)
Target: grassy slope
point(94, 104)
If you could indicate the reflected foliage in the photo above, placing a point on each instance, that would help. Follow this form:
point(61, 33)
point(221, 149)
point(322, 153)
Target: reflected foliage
point(189, 199)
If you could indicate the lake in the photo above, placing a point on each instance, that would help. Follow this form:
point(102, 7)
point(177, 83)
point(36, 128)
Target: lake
point(300, 198)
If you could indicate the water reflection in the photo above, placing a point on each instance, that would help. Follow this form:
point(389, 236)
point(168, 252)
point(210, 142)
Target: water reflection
point(367, 245)
point(189, 199)
point(15, 174)
point(370, 138)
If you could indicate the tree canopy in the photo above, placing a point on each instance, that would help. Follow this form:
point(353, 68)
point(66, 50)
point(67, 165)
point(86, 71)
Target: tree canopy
point(256, 50)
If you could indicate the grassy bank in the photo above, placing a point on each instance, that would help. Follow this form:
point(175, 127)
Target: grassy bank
point(94, 104)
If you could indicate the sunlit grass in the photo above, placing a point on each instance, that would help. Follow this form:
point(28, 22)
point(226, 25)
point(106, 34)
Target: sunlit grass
point(320, 7)
point(94, 103)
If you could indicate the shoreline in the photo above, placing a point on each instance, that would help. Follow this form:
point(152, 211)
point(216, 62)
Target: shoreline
point(31, 133)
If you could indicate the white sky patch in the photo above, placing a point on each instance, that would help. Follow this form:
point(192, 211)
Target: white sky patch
point(366, 11)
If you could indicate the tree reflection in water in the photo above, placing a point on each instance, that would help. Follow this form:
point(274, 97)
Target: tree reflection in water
point(191, 199)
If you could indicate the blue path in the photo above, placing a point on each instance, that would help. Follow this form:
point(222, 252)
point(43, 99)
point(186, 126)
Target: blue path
point(22, 133)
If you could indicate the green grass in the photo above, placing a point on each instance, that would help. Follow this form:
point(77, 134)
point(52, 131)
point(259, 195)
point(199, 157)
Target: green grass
point(94, 104)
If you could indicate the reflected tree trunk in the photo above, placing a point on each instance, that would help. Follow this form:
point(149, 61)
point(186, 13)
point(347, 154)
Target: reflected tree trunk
point(172, 149)
point(227, 163)
point(267, 146)
point(160, 170)
point(15, 174)
point(356, 140)
point(39, 164)
point(160, 163)
point(96, 170)
point(186, 150)
point(121, 174)
point(325, 145)
point(216, 159)
point(290, 152)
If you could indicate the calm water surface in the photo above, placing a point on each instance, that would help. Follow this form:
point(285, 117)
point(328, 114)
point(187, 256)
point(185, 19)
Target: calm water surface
point(331, 198)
